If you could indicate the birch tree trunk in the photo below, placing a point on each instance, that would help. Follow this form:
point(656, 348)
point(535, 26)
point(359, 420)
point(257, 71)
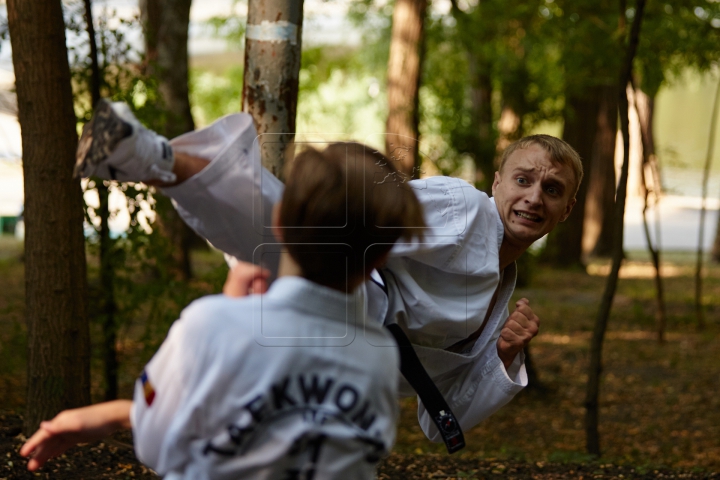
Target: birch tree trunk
point(273, 50)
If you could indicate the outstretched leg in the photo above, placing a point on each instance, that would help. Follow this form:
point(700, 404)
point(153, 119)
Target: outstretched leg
point(213, 175)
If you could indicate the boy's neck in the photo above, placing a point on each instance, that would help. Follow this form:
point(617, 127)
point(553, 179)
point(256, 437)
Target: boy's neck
point(289, 267)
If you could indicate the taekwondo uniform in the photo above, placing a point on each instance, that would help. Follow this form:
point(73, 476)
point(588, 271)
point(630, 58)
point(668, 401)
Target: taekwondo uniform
point(438, 290)
point(290, 384)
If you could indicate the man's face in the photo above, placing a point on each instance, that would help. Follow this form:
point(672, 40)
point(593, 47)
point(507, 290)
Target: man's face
point(532, 194)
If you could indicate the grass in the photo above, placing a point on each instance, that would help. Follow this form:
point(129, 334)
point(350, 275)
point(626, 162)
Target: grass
point(660, 403)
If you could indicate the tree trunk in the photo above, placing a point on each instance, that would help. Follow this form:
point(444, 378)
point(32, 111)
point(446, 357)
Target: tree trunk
point(650, 176)
point(592, 435)
point(272, 66)
point(107, 270)
point(600, 198)
point(699, 313)
point(165, 27)
point(55, 275)
point(481, 98)
point(403, 84)
point(564, 244)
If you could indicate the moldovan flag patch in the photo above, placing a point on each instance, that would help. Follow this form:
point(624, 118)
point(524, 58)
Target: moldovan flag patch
point(148, 389)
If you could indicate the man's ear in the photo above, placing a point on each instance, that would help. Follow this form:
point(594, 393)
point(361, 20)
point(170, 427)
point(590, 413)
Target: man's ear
point(495, 182)
point(276, 227)
point(568, 209)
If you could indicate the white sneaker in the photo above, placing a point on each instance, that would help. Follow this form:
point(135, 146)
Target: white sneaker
point(114, 146)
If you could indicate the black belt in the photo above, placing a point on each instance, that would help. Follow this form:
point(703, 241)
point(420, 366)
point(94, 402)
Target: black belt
point(435, 404)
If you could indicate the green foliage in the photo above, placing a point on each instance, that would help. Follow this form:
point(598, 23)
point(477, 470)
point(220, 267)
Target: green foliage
point(677, 35)
point(213, 96)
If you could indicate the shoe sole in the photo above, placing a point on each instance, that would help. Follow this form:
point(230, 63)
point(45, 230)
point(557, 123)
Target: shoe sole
point(99, 138)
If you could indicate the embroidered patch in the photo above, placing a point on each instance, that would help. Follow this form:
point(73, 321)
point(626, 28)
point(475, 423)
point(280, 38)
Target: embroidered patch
point(148, 389)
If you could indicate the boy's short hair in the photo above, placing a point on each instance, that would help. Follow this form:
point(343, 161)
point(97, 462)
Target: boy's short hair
point(339, 202)
point(559, 150)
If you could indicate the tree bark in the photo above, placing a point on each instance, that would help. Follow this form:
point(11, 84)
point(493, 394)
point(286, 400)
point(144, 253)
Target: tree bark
point(592, 435)
point(600, 198)
point(699, 313)
point(564, 244)
point(650, 177)
point(272, 67)
point(403, 84)
point(481, 99)
point(165, 25)
point(55, 271)
point(107, 271)
point(165, 28)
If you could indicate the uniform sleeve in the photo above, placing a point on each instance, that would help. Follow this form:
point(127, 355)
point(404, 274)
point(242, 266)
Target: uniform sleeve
point(230, 201)
point(157, 396)
point(488, 388)
point(459, 218)
point(163, 420)
point(480, 390)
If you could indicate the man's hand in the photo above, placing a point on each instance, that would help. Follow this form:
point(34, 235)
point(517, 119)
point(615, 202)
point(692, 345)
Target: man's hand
point(521, 326)
point(70, 427)
point(244, 279)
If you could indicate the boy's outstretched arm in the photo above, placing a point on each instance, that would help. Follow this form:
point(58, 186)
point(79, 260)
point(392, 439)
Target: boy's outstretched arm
point(245, 278)
point(71, 427)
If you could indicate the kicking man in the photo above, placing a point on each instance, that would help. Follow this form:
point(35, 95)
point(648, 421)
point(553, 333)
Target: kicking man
point(449, 293)
point(293, 383)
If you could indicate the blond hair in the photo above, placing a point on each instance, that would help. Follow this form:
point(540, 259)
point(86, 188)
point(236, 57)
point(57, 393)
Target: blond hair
point(559, 150)
point(337, 204)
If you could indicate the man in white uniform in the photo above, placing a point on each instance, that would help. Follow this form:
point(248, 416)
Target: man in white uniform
point(290, 384)
point(449, 294)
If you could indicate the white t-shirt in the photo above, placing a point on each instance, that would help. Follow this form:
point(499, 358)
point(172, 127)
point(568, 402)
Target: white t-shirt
point(290, 384)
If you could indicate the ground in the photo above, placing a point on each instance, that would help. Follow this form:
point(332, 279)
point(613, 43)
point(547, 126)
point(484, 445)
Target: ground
point(660, 412)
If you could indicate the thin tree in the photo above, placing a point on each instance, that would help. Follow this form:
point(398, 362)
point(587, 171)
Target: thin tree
point(706, 174)
point(272, 67)
point(58, 367)
point(650, 176)
point(108, 306)
point(601, 321)
point(403, 84)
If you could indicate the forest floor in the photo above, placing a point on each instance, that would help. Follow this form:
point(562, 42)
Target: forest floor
point(660, 402)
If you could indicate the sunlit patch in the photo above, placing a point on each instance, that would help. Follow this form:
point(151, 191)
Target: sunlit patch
point(637, 270)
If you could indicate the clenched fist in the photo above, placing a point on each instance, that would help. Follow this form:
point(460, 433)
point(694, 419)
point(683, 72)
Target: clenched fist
point(520, 327)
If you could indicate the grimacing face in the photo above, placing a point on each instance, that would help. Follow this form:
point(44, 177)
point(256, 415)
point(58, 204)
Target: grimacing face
point(532, 194)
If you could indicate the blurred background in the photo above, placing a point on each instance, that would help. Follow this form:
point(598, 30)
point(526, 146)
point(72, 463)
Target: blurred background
point(459, 80)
